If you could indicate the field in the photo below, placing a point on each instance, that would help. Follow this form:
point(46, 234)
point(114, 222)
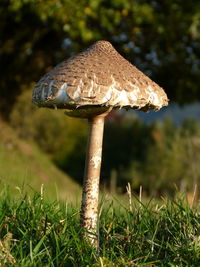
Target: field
point(36, 232)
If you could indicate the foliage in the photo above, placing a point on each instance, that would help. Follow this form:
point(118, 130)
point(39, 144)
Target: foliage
point(170, 158)
point(39, 233)
point(173, 159)
point(125, 140)
point(160, 37)
point(160, 156)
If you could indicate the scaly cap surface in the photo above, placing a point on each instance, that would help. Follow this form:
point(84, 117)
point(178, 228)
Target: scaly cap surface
point(98, 77)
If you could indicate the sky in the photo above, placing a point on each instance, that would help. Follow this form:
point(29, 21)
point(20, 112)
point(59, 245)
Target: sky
point(173, 111)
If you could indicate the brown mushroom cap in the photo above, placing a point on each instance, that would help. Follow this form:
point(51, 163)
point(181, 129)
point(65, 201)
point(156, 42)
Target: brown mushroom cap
point(97, 80)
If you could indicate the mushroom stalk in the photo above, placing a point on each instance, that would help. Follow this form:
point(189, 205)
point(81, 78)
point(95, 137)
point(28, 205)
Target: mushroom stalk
point(90, 197)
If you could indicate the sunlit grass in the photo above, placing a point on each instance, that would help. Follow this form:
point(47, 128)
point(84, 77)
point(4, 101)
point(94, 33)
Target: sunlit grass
point(35, 232)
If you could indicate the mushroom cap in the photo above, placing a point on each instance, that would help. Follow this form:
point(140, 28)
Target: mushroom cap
point(96, 80)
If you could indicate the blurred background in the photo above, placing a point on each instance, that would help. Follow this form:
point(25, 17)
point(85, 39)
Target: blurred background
point(158, 150)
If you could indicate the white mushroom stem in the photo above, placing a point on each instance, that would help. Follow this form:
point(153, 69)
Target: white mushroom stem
point(89, 208)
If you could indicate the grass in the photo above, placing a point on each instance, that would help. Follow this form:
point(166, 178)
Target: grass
point(36, 232)
point(22, 164)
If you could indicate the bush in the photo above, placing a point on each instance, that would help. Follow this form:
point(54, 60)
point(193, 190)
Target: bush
point(161, 157)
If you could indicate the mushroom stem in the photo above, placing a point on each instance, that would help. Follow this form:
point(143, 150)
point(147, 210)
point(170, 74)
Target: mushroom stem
point(89, 208)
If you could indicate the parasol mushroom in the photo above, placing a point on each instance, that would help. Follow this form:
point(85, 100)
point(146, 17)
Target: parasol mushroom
point(89, 85)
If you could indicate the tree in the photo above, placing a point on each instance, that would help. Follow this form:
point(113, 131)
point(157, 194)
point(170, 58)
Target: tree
point(160, 37)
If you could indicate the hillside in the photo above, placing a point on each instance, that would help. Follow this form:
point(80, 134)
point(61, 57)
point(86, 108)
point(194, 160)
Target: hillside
point(24, 166)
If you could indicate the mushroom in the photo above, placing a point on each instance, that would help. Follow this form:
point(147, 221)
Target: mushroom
point(89, 85)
